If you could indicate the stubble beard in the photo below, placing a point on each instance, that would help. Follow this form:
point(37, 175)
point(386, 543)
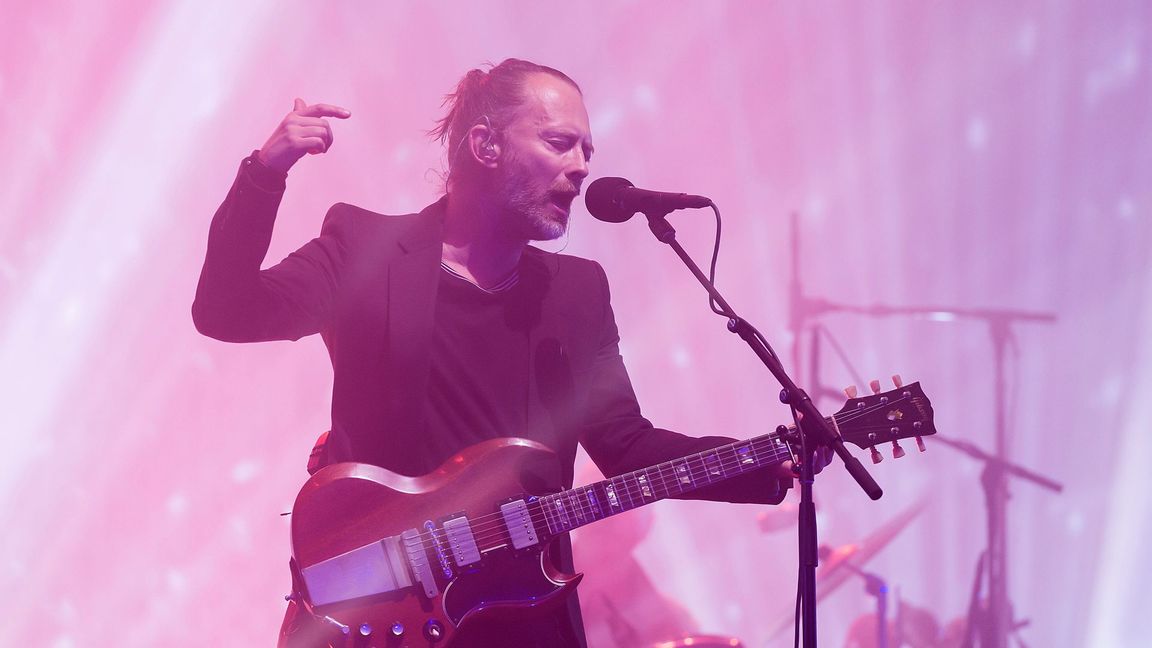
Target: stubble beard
point(529, 212)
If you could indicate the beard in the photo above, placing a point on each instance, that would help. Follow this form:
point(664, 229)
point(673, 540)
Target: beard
point(530, 209)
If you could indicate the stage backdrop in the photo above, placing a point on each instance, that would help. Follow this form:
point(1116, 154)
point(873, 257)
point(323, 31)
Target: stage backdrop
point(952, 155)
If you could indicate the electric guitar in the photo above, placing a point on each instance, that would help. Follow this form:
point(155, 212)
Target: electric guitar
point(385, 560)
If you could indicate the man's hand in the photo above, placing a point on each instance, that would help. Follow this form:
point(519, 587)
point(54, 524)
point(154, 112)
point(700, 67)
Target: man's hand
point(824, 455)
point(820, 458)
point(304, 130)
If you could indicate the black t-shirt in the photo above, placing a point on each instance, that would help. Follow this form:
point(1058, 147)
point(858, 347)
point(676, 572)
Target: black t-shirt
point(478, 390)
point(478, 381)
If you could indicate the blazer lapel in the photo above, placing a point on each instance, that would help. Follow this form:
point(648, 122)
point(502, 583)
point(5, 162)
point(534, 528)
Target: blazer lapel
point(413, 278)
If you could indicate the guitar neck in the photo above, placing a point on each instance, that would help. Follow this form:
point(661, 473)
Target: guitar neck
point(583, 505)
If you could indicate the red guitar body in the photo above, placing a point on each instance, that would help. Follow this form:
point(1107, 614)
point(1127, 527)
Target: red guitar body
point(348, 506)
point(388, 561)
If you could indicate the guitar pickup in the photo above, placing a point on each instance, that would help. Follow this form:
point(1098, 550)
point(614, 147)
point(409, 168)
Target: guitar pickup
point(461, 541)
point(519, 524)
point(375, 568)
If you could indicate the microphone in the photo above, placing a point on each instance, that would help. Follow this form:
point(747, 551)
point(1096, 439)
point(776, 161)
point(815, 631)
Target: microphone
point(615, 200)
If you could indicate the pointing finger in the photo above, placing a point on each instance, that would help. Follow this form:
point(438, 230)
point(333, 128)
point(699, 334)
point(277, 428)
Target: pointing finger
point(325, 110)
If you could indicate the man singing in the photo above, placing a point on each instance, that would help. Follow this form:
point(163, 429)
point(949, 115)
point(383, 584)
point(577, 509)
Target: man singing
point(445, 328)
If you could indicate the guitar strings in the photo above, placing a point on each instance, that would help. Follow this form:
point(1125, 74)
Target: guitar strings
point(578, 511)
point(581, 512)
point(490, 527)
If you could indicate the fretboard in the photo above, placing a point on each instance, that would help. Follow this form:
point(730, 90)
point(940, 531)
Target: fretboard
point(574, 508)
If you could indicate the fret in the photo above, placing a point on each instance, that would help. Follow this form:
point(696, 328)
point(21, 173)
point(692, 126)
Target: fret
point(572, 501)
point(747, 456)
point(549, 516)
point(632, 490)
point(593, 499)
point(683, 476)
point(732, 463)
point(585, 504)
point(712, 467)
point(623, 491)
point(665, 476)
point(561, 513)
point(543, 503)
point(699, 473)
point(613, 499)
point(642, 482)
point(726, 459)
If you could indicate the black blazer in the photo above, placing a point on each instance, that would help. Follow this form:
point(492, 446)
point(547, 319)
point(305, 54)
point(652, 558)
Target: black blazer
point(368, 285)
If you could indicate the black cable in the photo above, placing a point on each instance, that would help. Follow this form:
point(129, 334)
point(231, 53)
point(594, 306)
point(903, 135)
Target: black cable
point(712, 267)
point(796, 614)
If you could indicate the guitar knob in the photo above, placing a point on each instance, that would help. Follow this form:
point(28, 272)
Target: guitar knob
point(874, 385)
point(433, 630)
point(876, 456)
point(365, 629)
point(920, 444)
point(397, 629)
point(897, 380)
point(897, 451)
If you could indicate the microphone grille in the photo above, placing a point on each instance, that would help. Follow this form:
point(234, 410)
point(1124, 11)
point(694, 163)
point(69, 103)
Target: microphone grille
point(600, 199)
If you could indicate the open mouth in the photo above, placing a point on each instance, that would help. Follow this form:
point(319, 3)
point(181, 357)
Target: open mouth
point(563, 201)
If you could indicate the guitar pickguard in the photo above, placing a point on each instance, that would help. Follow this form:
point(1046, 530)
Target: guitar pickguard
point(507, 578)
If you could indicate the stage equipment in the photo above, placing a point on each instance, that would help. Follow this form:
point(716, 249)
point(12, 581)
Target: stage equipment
point(996, 622)
point(814, 432)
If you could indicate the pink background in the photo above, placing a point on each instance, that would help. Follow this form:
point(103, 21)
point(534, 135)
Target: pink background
point(982, 155)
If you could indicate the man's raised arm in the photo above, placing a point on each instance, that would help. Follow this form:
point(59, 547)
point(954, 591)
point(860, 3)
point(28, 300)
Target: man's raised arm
point(235, 300)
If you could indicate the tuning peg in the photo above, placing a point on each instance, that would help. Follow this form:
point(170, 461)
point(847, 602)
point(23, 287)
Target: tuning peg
point(897, 451)
point(876, 456)
point(875, 385)
point(850, 391)
point(897, 380)
point(920, 444)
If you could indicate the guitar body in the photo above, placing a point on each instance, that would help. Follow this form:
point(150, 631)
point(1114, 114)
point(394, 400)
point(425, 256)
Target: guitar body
point(387, 561)
point(347, 509)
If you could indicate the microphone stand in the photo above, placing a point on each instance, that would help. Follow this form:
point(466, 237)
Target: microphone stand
point(813, 431)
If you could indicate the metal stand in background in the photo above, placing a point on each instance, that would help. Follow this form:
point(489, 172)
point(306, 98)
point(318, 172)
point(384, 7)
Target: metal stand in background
point(991, 624)
point(996, 621)
point(813, 429)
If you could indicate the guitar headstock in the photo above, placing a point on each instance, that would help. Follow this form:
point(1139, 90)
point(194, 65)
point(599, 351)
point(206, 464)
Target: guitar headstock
point(883, 417)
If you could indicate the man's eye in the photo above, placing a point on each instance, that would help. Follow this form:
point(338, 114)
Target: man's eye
point(560, 144)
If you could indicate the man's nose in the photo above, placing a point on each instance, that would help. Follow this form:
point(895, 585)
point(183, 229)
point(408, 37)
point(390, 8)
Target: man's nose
point(579, 169)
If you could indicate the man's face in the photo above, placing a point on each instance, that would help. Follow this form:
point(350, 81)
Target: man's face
point(545, 158)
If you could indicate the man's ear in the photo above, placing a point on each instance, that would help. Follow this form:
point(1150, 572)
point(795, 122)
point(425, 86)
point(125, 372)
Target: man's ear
point(482, 145)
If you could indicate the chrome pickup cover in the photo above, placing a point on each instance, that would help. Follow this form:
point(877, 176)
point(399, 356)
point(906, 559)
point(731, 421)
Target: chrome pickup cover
point(461, 541)
point(519, 524)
